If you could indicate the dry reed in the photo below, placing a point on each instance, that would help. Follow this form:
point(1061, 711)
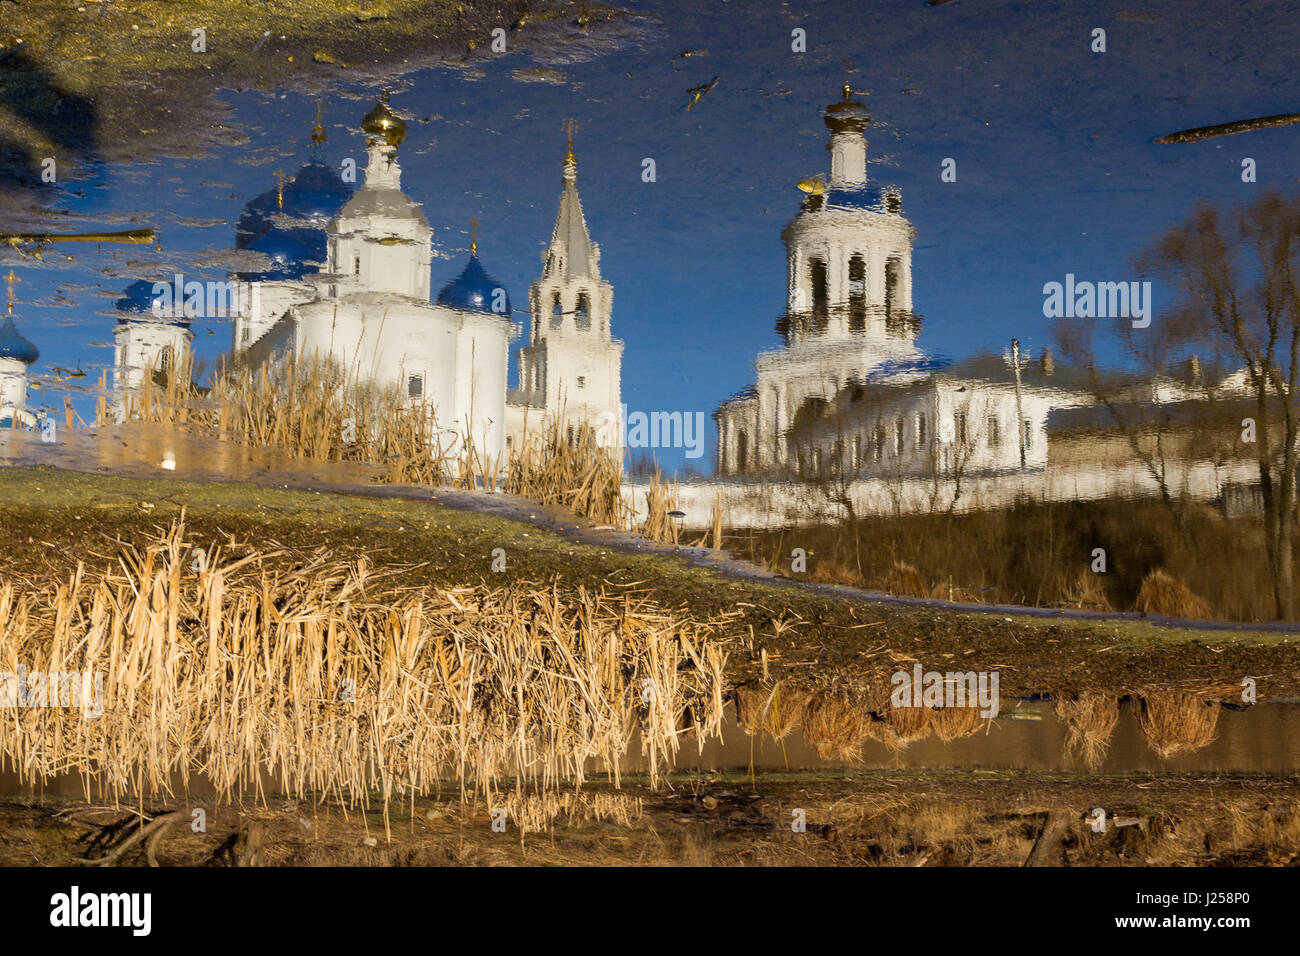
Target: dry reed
point(320, 677)
point(775, 712)
point(905, 579)
point(834, 726)
point(571, 469)
point(953, 723)
point(1177, 721)
point(1163, 594)
point(1090, 720)
point(660, 499)
point(310, 410)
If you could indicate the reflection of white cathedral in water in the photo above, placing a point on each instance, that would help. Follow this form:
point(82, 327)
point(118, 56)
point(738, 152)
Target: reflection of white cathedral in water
point(349, 280)
point(850, 396)
point(851, 393)
point(850, 405)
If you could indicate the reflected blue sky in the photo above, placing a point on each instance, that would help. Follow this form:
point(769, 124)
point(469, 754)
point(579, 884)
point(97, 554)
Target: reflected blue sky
point(1057, 170)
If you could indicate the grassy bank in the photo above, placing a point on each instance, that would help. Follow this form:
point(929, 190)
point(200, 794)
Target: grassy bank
point(52, 519)
point(1042, 554)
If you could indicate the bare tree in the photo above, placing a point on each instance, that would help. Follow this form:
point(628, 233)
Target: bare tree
point(1234, 278)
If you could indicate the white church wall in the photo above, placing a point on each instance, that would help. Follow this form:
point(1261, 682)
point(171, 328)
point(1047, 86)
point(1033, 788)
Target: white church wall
point(13, 387)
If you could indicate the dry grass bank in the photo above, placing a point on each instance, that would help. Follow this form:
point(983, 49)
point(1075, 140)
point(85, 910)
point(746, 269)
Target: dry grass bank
point(1042, 554)
point(320, 676)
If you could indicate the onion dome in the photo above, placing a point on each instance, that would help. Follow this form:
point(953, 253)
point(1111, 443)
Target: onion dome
point(848, 115)
point(315, 192)
point(475, 291)
point(136, 304)
point(14, 346)
point(293, 252)
point(287, 222)
point(137, 299)
point(381, 123)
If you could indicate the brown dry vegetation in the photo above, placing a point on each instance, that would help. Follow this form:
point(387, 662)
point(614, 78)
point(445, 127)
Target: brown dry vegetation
point(322, 677)
point(314, 411)
point(51, 519)
point(1178, 721)
point(1040, 554)
point(1090, 720)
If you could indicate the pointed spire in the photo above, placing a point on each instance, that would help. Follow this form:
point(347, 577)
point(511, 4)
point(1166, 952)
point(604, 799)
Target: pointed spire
point(571, 252)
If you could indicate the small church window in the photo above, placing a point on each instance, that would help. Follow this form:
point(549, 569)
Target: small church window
point(582, 381)
point(920, 428)
point(1029, 434)
point(356, 265)
point(584, 312)
point(995, 432)
point(898, 436)
point(415, 386)
point(820, 295)
point(878, 442)
point(742, 450)
point(557, 313)
point(959, 420)
point(893, 289)
point(857, 294)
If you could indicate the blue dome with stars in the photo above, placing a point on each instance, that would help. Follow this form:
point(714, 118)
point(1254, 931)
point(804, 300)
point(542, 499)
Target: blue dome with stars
point(13, 345)
point(288, 225)
point(137, 302)
point(475, 291)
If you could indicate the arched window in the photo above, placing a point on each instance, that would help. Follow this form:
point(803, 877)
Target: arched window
point(820, 295)
point(742, 450)
point(893, 295)
point(583, 320)
point(857, 294)
point(557, 313)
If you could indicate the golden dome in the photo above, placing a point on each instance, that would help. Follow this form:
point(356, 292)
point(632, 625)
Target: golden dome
point(383, 123)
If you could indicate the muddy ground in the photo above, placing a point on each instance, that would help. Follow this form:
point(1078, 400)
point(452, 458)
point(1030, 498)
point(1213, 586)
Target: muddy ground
point(889, 818)
point(124, 81)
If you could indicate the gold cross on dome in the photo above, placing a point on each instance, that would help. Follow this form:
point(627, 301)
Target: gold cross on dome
point(279, 188)
point(10, 279)
point(473, 240)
